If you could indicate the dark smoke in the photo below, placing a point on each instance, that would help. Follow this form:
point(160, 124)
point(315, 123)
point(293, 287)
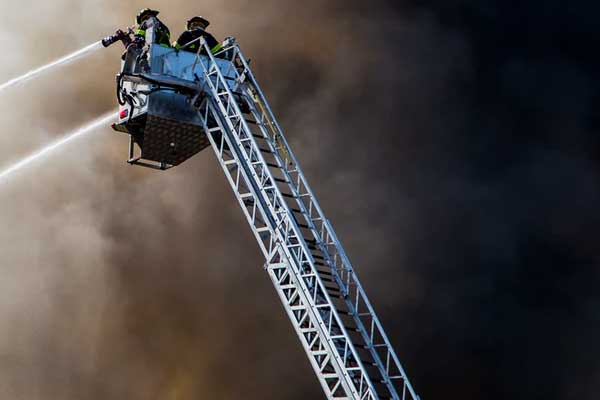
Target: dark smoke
point(452, 144)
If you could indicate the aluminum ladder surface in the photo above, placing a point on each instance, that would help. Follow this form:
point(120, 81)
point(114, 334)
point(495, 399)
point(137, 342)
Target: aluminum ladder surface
point(322, 296)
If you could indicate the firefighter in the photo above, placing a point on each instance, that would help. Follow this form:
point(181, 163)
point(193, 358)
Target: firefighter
point(162, 35)
point(196, 27)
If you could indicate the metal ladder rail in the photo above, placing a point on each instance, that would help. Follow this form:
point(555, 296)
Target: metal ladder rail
point(362, 343)
point(295, 251)
point(258, 112)
point(312, 280)
point(283, 278)
point(345, 273)
point(245, 193)
point(322, 363)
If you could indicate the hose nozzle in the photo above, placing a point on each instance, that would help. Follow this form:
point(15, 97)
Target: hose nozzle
point(119, 35)
point(107, 41)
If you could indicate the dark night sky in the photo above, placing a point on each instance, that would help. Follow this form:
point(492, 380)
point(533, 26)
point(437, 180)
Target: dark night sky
point(453, 144)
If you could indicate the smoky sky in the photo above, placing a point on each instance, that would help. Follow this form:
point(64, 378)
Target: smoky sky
point(452, 144)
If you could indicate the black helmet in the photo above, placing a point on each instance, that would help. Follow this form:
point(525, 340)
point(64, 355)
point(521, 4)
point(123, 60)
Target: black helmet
point(146, 12)
point(201, 20)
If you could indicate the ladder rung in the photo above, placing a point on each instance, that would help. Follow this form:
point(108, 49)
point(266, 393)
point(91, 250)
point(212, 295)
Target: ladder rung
point(315, 251)
point(326, 273)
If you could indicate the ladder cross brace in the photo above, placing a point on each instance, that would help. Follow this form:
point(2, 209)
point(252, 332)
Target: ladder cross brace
point(258, 184)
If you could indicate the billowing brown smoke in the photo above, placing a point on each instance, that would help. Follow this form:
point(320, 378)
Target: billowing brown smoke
point(125, 283)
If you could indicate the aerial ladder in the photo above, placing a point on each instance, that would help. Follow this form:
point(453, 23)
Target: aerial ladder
point(173, 104)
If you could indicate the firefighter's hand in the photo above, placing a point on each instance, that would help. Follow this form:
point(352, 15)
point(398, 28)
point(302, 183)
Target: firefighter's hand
point(229, 41)
point(139, 41)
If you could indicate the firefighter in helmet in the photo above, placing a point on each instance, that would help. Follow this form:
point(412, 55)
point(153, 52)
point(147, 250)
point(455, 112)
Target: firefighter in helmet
point(196, 28)
point(162, 34)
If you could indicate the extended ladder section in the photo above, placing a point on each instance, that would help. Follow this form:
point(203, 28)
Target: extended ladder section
point(343, 338)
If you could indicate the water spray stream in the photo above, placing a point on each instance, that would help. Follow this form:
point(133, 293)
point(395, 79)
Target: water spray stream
point(103, 120)
point(45, 68)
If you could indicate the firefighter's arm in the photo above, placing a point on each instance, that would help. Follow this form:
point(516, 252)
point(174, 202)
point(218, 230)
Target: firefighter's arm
point(216, 48)
point(229, 40)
